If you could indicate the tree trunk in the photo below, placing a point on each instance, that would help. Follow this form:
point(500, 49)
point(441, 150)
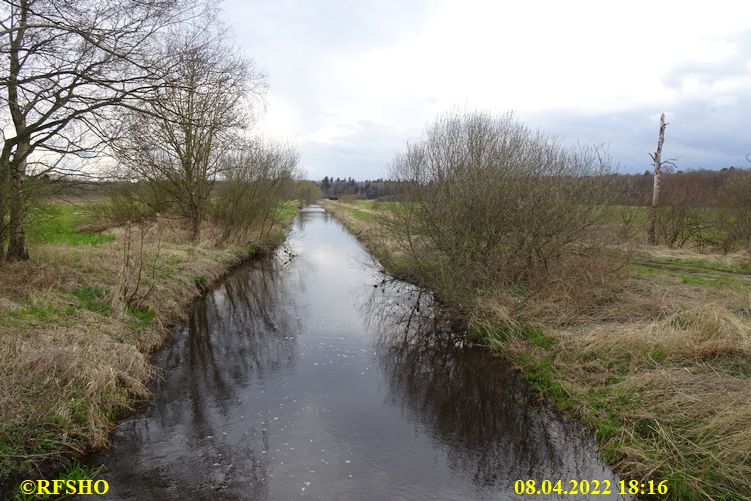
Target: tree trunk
point(17, 160)
point(17, 250)
point(195, 225)
point(657, 162)
point(4, 181)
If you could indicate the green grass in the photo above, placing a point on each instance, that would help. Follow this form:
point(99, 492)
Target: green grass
point(144, 315)
point(605, 406)
point(699, 279)
point(287, 212)
point(538, 371)
point(37, 441)
point(43, 312)
point(36, 314)
point(362, 215)
point(92, 299)
point(57, 223)
point(535, 335)
point(366, 204)
point(699, 264)
point(199, 280)
point(378, 204)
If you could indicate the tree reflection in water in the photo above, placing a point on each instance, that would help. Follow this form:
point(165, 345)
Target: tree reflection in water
point(239, 332)
point(471, 402)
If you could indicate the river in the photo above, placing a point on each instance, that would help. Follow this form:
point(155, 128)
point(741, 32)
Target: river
point(310, 375)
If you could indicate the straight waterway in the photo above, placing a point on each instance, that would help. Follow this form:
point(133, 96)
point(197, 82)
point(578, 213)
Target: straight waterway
point(310, 375)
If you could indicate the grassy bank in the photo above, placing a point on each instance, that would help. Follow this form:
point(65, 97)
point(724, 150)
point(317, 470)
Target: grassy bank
point(658, 366)
point(71, 357)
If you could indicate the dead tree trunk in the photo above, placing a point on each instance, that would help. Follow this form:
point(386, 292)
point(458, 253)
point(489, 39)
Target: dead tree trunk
point(657, 162)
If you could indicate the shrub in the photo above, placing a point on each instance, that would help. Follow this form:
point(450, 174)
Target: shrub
point(734, 220)
point(257, 178)
point(487, 202)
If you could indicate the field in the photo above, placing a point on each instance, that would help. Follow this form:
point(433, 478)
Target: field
point(657, 367)
point(72, 356)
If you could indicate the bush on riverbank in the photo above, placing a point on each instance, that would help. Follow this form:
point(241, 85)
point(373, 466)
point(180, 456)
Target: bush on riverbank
point(489, 208)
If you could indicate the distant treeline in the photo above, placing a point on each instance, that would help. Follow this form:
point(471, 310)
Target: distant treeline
point(378, 188)
point(692, 188)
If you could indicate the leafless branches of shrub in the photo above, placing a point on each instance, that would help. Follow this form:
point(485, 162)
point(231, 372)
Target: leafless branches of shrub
point(487, 202)
point(734, 221)
point(681, 217)
point(307, 192)
point(257, 176)
point(131, 289)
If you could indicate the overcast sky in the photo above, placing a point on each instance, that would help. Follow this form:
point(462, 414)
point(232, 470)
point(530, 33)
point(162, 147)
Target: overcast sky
point(351, 81)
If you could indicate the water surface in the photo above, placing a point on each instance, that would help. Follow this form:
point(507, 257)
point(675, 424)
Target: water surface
point(311, 376)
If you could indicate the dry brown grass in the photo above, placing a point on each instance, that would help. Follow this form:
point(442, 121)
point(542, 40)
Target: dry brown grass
point(69, 375)
point(695, 428)
point(577, 287)
point(703, 332)
point(676, 385)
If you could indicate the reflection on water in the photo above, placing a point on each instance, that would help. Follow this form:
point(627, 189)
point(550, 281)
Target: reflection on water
point(230, 338)
point(475, 405)
point(309, 375)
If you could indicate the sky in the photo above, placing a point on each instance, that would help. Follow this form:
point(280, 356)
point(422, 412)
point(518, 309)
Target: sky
point(351, 82)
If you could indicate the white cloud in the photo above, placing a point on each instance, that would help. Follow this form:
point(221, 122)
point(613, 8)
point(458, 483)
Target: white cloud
point(348, 75)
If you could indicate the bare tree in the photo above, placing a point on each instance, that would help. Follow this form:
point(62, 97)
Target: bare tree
point(657, 162)
point(132, 273)
point(177, 141)
point(64, 65)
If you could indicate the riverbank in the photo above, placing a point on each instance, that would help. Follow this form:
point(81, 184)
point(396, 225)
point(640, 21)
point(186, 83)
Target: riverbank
point(658, 368)
point(72, 355)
